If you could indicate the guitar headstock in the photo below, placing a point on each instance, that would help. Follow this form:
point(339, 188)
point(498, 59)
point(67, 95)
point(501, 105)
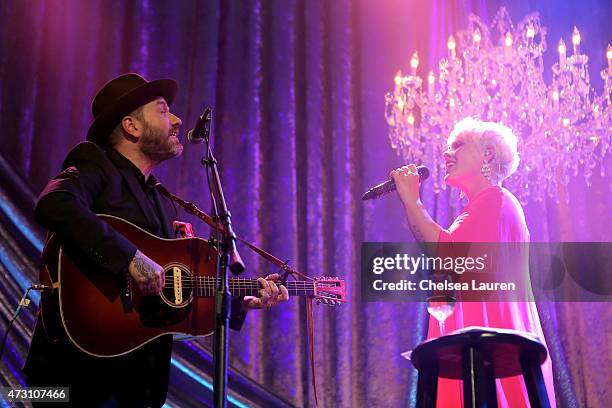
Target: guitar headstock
point(329, 290)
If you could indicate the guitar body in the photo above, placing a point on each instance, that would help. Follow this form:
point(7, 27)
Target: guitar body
point(106, 316)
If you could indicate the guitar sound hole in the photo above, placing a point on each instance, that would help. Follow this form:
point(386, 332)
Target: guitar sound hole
point(178, 289)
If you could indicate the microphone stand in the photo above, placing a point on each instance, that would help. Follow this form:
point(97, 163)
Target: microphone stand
point(222, 295)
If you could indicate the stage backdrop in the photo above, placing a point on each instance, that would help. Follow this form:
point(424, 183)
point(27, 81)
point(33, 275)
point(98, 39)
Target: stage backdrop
point(300, 133)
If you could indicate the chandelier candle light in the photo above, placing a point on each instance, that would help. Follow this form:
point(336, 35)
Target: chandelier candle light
point(495, 74)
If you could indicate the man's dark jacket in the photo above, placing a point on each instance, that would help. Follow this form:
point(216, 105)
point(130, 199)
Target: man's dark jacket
point(95, 181)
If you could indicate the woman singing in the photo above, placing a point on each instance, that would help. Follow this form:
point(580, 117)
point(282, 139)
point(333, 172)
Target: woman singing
point(480, 155)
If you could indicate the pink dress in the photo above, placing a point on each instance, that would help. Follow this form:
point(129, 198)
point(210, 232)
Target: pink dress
point(493, 215)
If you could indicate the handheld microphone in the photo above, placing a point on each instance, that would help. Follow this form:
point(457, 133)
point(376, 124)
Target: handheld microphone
point(201, 131)
point(389, 185)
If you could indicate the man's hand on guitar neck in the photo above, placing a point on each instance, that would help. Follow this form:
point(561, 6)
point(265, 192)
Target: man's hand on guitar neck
point(149, 276)
point(269, 295)
point(183, 229)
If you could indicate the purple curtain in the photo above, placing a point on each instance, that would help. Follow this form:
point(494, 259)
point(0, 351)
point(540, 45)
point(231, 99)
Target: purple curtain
point(300, 133)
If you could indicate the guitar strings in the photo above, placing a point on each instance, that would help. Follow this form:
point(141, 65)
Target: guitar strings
point(211, 280)
point(248, 288)
point(257, 286)
point(206, 285)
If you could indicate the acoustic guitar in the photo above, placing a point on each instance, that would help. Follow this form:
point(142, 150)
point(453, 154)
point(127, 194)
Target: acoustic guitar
point(106, 316)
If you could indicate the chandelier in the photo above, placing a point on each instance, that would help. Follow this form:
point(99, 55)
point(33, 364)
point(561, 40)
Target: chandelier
point(494, 73)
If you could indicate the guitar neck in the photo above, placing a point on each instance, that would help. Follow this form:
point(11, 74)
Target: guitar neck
point(206, 286)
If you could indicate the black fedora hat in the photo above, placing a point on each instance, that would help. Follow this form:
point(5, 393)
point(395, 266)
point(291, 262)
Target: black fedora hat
point(122, 95)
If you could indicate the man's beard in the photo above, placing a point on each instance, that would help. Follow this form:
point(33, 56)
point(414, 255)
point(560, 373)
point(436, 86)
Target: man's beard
point(157, 145)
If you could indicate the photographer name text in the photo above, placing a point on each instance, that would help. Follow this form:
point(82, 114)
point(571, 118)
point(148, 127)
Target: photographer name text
point(430, 285)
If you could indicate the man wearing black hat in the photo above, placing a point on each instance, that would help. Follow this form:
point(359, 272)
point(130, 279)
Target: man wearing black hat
point(133, 131)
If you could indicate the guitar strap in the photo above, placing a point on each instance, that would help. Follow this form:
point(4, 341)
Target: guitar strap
point(191, 208)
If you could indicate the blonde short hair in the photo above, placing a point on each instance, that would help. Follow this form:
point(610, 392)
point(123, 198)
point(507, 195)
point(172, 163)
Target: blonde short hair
point(491, 134)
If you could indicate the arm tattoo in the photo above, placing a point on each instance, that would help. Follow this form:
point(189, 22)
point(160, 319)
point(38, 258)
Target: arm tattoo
point(416, 232)
point(146, 277)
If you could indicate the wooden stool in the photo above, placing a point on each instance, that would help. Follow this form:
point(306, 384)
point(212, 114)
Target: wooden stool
point(479, 355)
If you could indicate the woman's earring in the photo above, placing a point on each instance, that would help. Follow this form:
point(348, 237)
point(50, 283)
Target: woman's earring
point(486, 170)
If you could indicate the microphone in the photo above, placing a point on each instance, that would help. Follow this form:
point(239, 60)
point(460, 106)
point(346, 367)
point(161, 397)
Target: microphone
point(201, 131)
point(389, 185)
